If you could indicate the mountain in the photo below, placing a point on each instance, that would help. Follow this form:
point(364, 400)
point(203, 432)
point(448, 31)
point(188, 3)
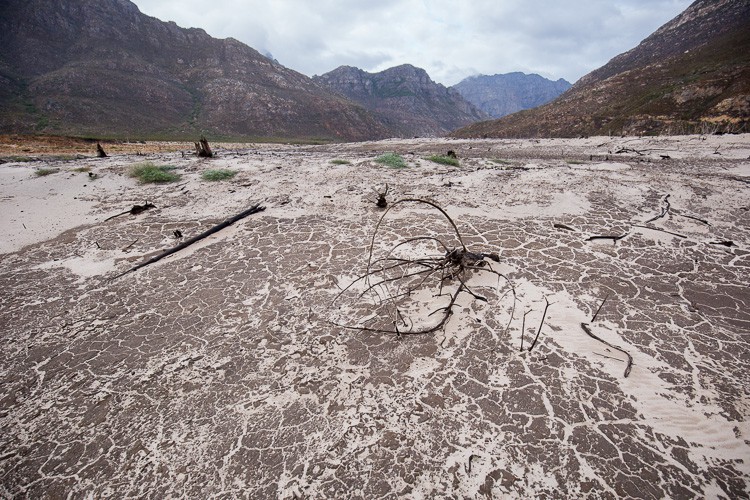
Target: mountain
point(102, 68)
point(692, 75)
point(500, 95)
point(404, 98)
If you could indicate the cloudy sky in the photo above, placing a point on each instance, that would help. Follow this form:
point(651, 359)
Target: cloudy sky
point(451, 39)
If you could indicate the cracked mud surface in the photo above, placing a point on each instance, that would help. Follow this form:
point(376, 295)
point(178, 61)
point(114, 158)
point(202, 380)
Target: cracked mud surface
point(219, 372)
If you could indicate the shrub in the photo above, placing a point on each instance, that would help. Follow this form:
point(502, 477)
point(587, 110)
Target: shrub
point(41, 172)
point(444, 160)
point(149, 173)
point(82, 169)
point(221, 174)
point(392, 160)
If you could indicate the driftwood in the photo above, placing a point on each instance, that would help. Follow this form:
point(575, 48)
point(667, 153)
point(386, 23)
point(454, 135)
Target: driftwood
point(562, 226)
point(629, 365)
point(252, 210)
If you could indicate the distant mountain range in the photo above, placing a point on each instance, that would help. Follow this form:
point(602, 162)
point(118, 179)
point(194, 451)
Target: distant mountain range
point(501, 95)
point(101, 68)
point(690, 76)
point(404, 98)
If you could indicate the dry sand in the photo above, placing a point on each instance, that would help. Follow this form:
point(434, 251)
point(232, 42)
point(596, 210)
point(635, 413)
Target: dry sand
point(222, 371)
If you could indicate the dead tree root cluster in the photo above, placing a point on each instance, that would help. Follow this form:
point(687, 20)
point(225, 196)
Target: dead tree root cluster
point(396, 278)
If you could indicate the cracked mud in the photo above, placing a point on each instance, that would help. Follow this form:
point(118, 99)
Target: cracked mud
point(219, 371)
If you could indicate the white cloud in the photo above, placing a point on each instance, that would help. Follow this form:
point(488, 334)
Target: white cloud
point(451, 40)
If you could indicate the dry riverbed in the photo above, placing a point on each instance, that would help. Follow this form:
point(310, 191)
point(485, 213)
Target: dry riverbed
point(236, 367)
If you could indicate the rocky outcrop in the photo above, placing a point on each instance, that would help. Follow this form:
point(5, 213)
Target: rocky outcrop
point(690, 76)
point(404, 98)
point(101, 67)
point(500, 95)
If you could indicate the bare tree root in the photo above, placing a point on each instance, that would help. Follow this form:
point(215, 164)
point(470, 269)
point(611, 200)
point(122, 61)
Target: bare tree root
point(393, 280)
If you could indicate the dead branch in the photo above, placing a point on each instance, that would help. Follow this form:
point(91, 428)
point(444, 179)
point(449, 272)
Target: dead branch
point(539, 330)
point(664, 210)
point(252, 210)
point(523, 327)
point(600, 308)
point(612, 237)
point(134, 210)
point(724, 243)
point(588, 331)
point(653, 228)
point(562, 226)
point(698, 219)
point(629, 150)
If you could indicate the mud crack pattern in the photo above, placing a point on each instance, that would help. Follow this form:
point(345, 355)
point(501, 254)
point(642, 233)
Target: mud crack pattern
point(219, 373)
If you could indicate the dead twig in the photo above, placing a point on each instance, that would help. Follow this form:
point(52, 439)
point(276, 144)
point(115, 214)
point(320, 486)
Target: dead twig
point(252, 210)
point(629, 365)
point(539, 330)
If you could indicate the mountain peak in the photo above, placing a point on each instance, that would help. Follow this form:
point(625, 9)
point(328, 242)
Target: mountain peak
point(690, 75)
point(405, 98)
point(502, 94)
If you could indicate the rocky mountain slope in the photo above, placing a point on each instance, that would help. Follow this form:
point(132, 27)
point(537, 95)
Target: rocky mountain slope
point(404, 98)
point(102, 68)
point(500, 95)
point(692, 75)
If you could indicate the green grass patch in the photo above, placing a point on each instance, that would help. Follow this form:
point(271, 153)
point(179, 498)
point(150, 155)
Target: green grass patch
point(443, 160)
point(149, 173)
point(501, 162)
point(392, 160)
point(340, 162)
point(219, 174)
point(41, 172)
point(82, 169)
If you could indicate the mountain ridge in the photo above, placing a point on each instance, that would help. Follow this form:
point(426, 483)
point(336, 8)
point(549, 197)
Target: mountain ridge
point(404, 98)
point(102, 68)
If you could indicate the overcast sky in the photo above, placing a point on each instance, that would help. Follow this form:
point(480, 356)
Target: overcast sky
point(451, 39)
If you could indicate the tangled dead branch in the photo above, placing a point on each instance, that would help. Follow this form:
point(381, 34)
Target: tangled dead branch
point(417, 292)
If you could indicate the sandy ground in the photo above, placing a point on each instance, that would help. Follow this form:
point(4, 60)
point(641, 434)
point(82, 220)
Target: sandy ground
point(237, 367)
